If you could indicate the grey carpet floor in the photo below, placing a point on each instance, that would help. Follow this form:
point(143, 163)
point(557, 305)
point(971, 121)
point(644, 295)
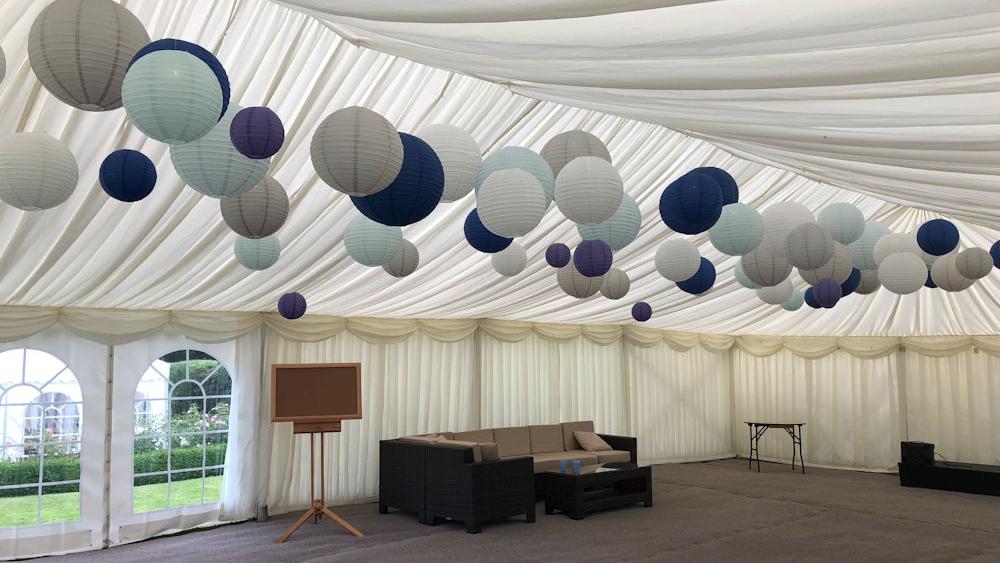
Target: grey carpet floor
point(712, 511)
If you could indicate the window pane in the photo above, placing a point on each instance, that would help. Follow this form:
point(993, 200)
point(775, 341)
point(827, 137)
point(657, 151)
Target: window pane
point(152, 457)
point(60, 503)
point(186, 415)
point(21, 471)
point(213, 485)
point(60, 467)
point(215, 451)
point(218, 414)
point(18, 507)
point(185, 488)
point(186, 452)
point(148, 496)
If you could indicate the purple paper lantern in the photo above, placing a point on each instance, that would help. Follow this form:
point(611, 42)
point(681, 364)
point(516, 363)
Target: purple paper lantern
point(593, 258)
point(642, 312)
point(292, 305)
point(557, 255)
point(257, 132)
point(827, 292)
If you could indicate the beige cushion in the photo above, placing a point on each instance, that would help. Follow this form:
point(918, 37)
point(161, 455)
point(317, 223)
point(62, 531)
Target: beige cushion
point(546, 438)
point(419, 439)
point(549, 461)
point(569, 442)
point(613, 456)
point(477, 452)
point(474, 436)
point(513, 442)
point(591, 442)
point(489, 451)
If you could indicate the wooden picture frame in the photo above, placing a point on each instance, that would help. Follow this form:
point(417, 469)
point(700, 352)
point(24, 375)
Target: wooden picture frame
point(276, 384)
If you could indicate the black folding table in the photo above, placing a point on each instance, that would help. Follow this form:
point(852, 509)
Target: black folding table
point(794, 430)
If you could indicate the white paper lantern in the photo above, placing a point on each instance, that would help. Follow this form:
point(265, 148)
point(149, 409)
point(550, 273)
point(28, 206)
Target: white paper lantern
point(356, 151)
point(511, 202)
point(902, 272)
point(525, 159)
point(843, 221)
point(616, 284)
point(576, 284)
point(80, 49)
point(36, 171)
point(460, 157)
point(259, 212)
point(405, 261)
point(677, 259)
point(620, 229)
point(564, 147)
point(945, 273)
point(894, 243)
point(510, 261)
point(370, 243)
point(794, 301)
point(765, 269)
point(3, 65)
point(212, 165)
point(738, 231)
point(742, 279)
point(257, 254)
point(776, 294)
point(974, 263)
point(809, 246)
point(588, 190)
point(837, 268)
point(869, 282)
point(779, 220)
point(863, 249)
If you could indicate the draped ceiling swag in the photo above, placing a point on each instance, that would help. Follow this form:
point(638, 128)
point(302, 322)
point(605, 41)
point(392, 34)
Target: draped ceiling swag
point(894, 103)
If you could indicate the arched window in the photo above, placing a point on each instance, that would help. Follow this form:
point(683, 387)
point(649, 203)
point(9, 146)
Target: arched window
point(41, 405)
point(181, 429)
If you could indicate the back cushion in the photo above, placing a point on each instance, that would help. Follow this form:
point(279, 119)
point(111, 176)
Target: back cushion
point(569, 442)
point(513, 441)
point(546, 438)
point(489, 451)
point(474, 436)
point(477, 452)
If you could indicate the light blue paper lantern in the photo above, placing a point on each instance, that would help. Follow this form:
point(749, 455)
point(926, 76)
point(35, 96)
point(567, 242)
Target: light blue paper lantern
point(843, 221)
point(742, 279)
point(372, 244)
point(738, 231)
point(257, 254)
point(620, 229)
point(212, 165)
point(525, 159)
point(863, 249)
point(173, 97)
point(794, 302)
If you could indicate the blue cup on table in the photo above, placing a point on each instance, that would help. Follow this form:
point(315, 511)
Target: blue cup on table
point(576, 466)
point(563, 464)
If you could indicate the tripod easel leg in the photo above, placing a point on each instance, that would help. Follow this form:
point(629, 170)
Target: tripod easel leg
point(298, 523)
point(342, 522)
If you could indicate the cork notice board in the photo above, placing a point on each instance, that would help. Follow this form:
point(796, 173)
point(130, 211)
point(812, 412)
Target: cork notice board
point(315, 392)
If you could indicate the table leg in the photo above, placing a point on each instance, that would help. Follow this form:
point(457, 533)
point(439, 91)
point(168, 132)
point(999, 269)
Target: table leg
point(750, 456)
point(801, 458)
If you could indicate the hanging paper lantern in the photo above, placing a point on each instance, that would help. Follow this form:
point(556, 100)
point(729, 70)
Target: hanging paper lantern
point(838, 267)
point(827, 293)
point(843, 221)
point(616, 284)
point(974, 263)
point(372, 244)
point(618, 230)
point(945, 274)
point(257, 132)
point(212, 165)
point(357, 151)
point(677, 259)
point(776, 294)
point(937, 237)
point(863, 249)
point(902, 272)
point(898, 242)
point(257, 254)
point(201, 53)
point(405, 261)
point(259, 212)
point(730, 191)
point(481, 238)
point(460, 157)
point(576, 284)
point(511, 202)
point(691, 204)
point(930, 281)
point(742, 278)
point(557, 255)
point(127, 175)
point(80, 49)
point(808, 246)
point(995, 253)
point(36, 171)
point(868, 283)
point(3, 65)
point(779, 221)
point(589, 190)
point(510, 261)
point(566, 146)
point(414, 193)
point(593, 258)
point(810, 299)
point(794, 302)
point(642, 312)
point(738, 231)
point(292, 305)
point(765, 269)
point(851, 283)
point(525, 159)
point(702, 281)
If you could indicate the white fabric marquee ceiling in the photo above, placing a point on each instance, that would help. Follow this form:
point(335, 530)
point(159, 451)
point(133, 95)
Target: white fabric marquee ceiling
point(935, 150)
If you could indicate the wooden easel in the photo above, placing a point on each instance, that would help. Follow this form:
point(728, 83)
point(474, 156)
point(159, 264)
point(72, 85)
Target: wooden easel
point(318, 508)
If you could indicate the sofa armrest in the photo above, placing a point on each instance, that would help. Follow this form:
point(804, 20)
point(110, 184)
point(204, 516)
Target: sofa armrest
point(623, 443)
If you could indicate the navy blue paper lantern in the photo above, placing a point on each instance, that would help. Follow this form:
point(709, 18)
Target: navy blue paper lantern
point(937, 237)
point(692, 203)
point(593, 258)
point(827, 293)
point(810, 298)
point(642, 312)
point(127, 175)
point(482, 239)
point(197, 50)
point(292, 305)
point(414, 193)
point(730, 191)
point(257, 132)
point(557, 255)
point(701, 281)
point(851, 283)
point(930, 281)
point(995, 253)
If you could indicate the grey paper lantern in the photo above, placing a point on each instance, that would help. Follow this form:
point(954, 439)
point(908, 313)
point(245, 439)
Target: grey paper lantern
point(837, 268)
point(510, 261)
point(525, 159)
point(356, 151)
point(618, 230)
point(460, 157)
point(779, 220)
point(405, 262)
point(212, 165)
point(588, 190)
point(869, 282)
point(616, 284)
point(80, 50)
point(974, 263)
point(511, 202)
point(3, 65)
point(738, 231)
point(259, 212)
point(894, 243)
point(809, 246)
point(863, 249)
point(36, 171)
point(742, 279)
point(902, 272)
point(765, 269)
point(776, 294)
point(945, 274)
point(576, 284)
point(372, 244)
point(257, 254)
point(564, 147)
point(794, 301)
point(677, 259)
point(843, 221)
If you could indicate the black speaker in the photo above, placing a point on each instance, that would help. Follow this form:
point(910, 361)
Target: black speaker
point(916, 453)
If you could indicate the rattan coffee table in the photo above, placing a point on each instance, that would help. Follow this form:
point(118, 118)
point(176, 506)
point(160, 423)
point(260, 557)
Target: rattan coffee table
point(596, 488)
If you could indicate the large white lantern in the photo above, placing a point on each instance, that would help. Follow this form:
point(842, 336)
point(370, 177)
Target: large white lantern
point(589, 190)
point(742, 279)
point(677, 259)
point(809, 246)
point(259, 212)
point(370, 243)
point(525, 159)
point(618, 230)
point(837, 268)
point(511, 202)
point(36, 171)
point(974, 263)
point(902, 272)
point(863, 249)
point(738, 231)
point(510, 261)
point(945, 274)
point(460, 157)
point(776, 294)
point(616, 284)
point(356, 151)
point(564, 147)
point(212, 165)
point(843, 221)
point(765, 269)
point(779, 220)
point(869, 282)
point(576, 284)
point(405, 261)
point(893, 243)
point(257, 254)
